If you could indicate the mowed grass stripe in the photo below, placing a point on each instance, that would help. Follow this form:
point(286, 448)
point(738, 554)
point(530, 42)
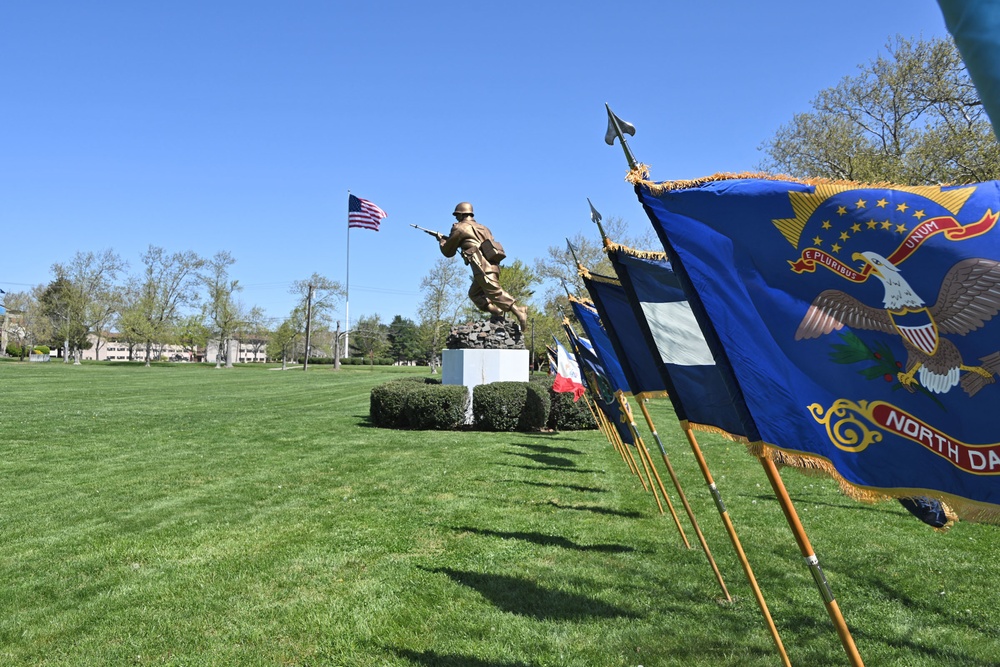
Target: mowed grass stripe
point(185, 515)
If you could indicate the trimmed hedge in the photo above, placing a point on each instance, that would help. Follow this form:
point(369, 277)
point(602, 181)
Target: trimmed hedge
point(564, 414)
point(567, 415)
point(418, 403)
point(510, 406)
point(348, 361)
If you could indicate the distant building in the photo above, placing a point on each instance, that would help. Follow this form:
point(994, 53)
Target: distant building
point(115, 348)
point(246, 352)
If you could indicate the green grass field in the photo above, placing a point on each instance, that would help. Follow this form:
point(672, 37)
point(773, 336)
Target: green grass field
point(183, 515)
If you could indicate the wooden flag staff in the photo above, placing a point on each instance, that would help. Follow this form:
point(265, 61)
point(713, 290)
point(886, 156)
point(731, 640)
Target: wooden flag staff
point(680, 492)
point(616, 442)
point(734, 538)
point(792, 517)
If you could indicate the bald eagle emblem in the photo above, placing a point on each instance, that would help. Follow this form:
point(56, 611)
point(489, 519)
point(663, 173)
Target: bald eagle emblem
point(969, 297)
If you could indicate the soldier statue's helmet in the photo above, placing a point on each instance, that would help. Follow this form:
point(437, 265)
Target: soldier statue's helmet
point(463, 208)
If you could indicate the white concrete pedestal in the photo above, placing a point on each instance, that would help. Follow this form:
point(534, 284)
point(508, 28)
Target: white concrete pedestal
point(474, 367)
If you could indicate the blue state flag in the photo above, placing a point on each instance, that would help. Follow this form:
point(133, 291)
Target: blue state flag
point(601, 387)
point(600, 345)
point(857, 323)
point(664, 327)
point(637, 362)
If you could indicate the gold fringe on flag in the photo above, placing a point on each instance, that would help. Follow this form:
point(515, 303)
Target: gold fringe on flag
point(632, 252)
point(668, 186)
point(638, 174)
point(955, 508)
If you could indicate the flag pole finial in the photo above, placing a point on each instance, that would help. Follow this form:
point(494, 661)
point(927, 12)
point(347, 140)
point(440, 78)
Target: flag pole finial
point(619, 128)
point(595, 217)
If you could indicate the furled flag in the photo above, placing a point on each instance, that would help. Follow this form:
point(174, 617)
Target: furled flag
point(855, 322)
point(550, 353)
point(363, 213)
point(600, 345)
point(602, 384)
point(669, 333)
point(567, 374)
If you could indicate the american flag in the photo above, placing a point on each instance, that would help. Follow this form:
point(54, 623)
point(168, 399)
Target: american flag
point(363, 213)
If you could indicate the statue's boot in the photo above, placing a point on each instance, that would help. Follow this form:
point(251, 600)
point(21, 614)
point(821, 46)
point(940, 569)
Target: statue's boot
point(521, 313)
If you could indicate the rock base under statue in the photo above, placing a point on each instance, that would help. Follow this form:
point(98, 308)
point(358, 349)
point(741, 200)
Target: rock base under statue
point(486, 335)
point(475, 367)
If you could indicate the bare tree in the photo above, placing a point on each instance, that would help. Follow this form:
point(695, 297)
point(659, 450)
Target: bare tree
point(221, 307)
point(326, 294)
point(442, 289)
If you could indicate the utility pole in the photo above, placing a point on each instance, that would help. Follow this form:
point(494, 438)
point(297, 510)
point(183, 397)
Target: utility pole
point(531, 365)
point(336, 349)
point(309, 302)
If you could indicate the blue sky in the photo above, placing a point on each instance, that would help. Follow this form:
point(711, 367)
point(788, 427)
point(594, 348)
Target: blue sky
point(242, 126)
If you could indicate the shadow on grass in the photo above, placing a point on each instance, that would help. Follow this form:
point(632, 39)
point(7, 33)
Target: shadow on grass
point(552, 468)
point(801, 500)
point(573, 487)
point(435, 659)
point(526, 598)
point(548, 460)
point(548, 540)
point(545, 449)
point(597, 510)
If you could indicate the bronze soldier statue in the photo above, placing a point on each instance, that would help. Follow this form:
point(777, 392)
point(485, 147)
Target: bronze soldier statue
point(483, 255)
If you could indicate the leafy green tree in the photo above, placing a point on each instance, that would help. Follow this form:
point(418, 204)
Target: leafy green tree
point(192, 334)
point(911, 116)
point(24, 321)
point(155, 299)
point(89, 298)
point(254, 330)
point(284, 339)
point(404, 339)
point(370, 337)
point(519, 280)
point(61, 303)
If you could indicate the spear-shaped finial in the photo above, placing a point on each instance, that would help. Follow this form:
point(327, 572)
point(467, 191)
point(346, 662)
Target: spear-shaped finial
point(572, 251)
point(569, 295)
point(619, 128)
point(596, 219)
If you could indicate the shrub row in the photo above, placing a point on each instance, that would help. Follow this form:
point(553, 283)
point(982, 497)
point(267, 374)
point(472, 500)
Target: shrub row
point(424, 403)
point(420, 403)
point(14, 350)
point(565, 414)
point(349, 361)
point(510, 406)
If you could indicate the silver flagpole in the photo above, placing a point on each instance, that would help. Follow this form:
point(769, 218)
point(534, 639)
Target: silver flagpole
point(347, 300)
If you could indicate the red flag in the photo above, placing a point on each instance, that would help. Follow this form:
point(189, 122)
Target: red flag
point(567, 374)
